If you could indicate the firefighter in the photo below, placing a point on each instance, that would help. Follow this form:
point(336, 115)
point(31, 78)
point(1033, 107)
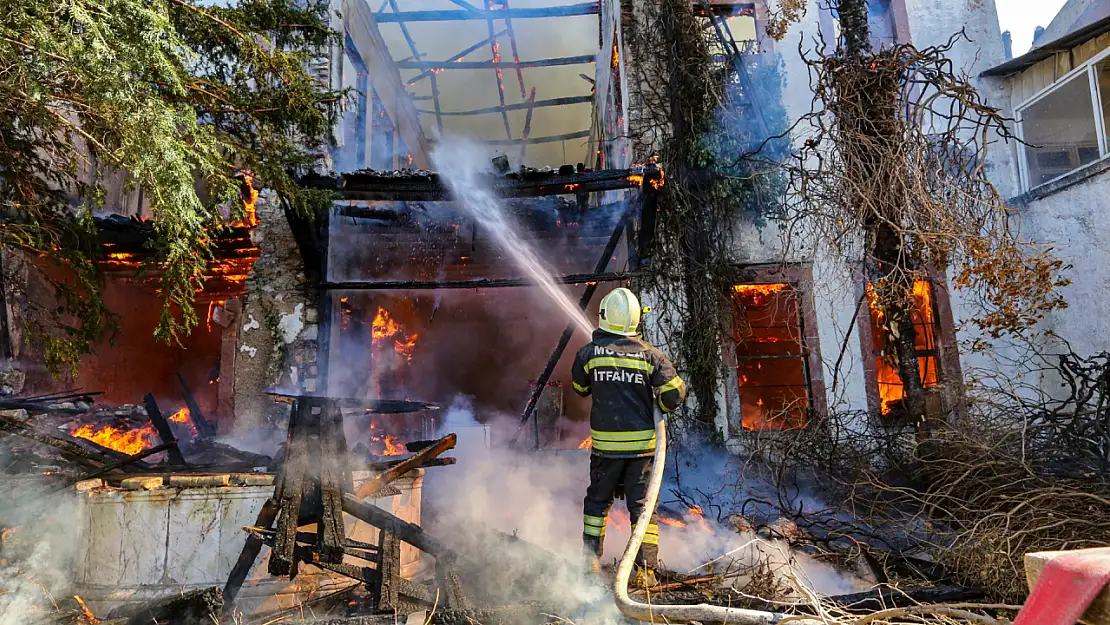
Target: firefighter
point(626, 376)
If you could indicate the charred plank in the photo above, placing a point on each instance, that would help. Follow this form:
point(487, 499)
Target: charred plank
point(251, 549)
point(293, 486)
point(387, 590)
point(407, 532)
point(164, 432)
point(333, 446)
point(204, 428)
point(387, 476)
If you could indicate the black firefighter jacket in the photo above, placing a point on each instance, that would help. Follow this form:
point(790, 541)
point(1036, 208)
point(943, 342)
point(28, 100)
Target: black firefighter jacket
point(622, 374)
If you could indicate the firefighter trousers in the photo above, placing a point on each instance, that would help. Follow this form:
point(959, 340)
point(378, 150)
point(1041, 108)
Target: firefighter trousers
point(607, 477)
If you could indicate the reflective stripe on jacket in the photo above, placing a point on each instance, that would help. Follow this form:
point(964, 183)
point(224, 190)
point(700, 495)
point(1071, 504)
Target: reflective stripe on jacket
point(625, 375)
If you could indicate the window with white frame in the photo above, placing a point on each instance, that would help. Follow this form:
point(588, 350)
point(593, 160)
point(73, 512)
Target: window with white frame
point(1064, 126)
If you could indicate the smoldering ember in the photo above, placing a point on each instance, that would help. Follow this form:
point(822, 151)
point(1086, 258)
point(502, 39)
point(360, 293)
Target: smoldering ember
point(333, 311)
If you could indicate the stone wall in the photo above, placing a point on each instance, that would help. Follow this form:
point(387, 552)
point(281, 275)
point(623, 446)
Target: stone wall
point(278, 331)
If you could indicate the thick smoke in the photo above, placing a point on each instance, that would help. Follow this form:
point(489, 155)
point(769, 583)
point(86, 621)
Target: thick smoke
point(36, 559)
point(538, 497)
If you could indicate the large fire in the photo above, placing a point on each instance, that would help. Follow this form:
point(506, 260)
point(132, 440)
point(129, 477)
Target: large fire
point(889, 382)
point(760, 292)
point(131, 440)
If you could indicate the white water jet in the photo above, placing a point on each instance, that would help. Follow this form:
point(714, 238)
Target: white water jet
point(460, 164)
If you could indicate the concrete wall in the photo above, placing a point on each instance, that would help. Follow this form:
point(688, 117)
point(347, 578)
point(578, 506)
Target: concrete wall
point(1073, 221)
point(278, 328)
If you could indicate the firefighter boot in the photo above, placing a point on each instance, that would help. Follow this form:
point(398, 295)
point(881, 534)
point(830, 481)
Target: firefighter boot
point(645, 578)
point(592, 554)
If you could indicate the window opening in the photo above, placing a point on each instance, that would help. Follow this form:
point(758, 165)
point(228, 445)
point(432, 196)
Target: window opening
point(925, 324)
point(771, 357)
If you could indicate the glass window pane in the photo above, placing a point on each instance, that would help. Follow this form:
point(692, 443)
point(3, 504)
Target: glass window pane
point(1102, 74)
point(1060, 131)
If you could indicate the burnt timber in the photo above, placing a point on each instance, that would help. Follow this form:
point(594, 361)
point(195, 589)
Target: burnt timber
point(427, 186)
point(479, 283)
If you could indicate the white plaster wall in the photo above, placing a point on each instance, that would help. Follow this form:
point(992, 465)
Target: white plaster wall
point(1073, 221)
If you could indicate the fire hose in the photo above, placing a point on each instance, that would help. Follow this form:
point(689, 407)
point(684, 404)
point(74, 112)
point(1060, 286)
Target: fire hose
point(704, 613)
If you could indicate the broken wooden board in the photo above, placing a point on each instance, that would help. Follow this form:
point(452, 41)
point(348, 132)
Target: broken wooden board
point(385, 477)
point(332, 449)
point(293, 485)
point(154, 413)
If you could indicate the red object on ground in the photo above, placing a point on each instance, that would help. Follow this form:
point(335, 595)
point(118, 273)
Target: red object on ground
point(1067, 586)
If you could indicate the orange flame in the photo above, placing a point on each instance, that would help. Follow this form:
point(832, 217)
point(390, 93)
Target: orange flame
point(890, 384)
point(393, 445)
point(86, 613)
point(211, 308)
point(671, 522)
point(249, 195)
point(128, 441)
point(759, 292)
point(586, 444)
point(183, 416)
point(384, 327)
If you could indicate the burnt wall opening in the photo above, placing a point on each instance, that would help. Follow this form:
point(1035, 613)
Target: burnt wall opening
point(434, 344)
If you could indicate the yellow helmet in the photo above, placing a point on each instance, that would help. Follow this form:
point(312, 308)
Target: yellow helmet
point(620, 313)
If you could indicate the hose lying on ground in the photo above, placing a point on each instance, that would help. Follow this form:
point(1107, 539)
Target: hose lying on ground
point(679, 613)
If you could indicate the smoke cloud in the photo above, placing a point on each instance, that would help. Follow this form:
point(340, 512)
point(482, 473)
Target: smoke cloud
point(537, 496)
point(36, 555)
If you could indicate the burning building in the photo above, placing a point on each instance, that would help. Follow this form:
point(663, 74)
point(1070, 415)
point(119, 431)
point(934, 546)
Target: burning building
point(336, 338)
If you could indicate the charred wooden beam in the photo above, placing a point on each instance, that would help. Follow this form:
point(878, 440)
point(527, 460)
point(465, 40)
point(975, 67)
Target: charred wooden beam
point(479, 283)
point(293, 486)
point(407, 532)
point(204, 428)
point(580, 134)
point(35, 407)
point(388, 464)
point(648, 208)
point(251, 549)
point(333, 447)
point(387, 591)
point(364, 574)
point(403, 467)
point(588, 8)
point(448, 581)
point(428, 74)
point(191, 608)
point(370, 185)
point(164, 431)
point(308, 538)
